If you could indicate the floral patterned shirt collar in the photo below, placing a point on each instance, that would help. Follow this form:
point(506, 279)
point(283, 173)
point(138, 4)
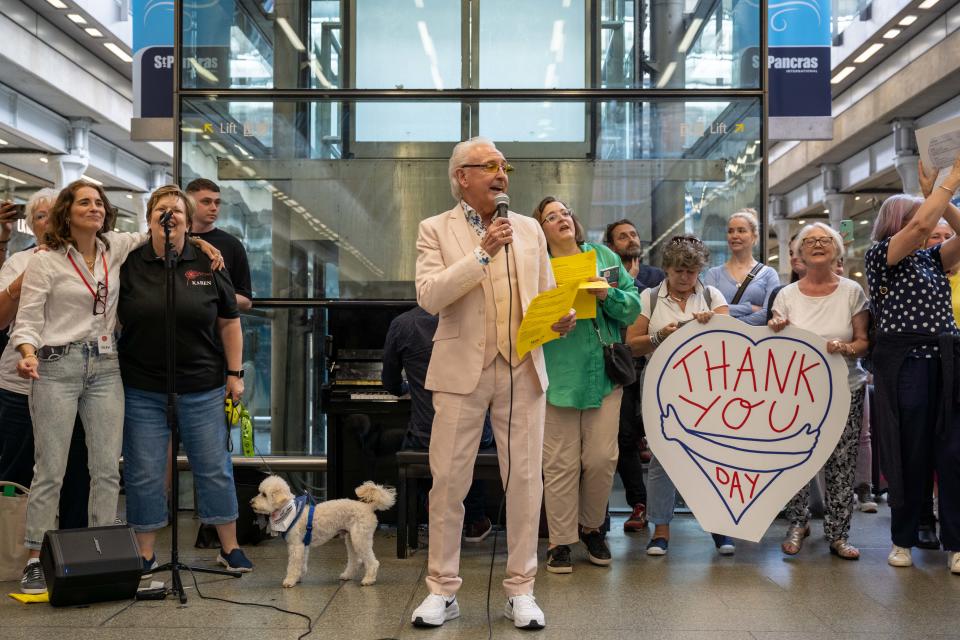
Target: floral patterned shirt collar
point(473, 219)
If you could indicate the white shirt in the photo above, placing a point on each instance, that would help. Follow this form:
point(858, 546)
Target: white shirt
point(667, 310)
point(56, 301)
point(830, 317)
point(9, 380)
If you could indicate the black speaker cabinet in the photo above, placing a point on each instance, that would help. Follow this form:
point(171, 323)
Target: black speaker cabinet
point(90, 565)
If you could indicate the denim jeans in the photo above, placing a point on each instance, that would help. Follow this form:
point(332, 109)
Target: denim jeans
point(16, 458)
point(85, 382)
point(661, 494)
point(203, 432)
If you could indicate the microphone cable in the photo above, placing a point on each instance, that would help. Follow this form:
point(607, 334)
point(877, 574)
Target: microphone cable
point(506, 488)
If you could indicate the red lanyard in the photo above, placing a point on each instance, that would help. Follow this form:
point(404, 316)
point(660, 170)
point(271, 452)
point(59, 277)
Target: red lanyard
point(106, 275)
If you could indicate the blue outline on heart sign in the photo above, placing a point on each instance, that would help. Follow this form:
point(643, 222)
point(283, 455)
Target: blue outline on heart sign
point(796, 456)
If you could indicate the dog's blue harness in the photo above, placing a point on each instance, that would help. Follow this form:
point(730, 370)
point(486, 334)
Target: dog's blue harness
point(301, 502)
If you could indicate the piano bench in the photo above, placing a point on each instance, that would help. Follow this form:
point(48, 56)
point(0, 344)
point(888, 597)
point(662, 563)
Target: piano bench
point(415, 464)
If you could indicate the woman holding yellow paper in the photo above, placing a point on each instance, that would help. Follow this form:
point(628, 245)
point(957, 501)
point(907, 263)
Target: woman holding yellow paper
point(583, 404)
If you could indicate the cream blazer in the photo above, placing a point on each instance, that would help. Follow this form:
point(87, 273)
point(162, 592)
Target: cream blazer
point(450, 281)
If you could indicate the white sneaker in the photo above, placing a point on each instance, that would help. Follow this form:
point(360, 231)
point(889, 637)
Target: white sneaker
point(435, 610)
point(524, 611)
point(953, 561)
point(900, 557)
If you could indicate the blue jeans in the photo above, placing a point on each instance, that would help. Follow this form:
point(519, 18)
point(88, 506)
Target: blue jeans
point(661, 494)
point(203, 432)
point(80, 380)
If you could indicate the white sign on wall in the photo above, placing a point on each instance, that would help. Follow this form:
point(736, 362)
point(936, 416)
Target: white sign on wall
point(741, 418)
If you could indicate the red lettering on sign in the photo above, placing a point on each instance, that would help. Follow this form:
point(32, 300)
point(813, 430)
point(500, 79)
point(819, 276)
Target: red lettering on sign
point(773, 405)
point(723, 365)
point(683, 361)
point(803, 374)
point(744, 404)
point(704, 409)
point(747, 357)
point(752, 481)
point(772, 366)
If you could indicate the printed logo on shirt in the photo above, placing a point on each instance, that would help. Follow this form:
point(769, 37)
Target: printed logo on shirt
point(198, 278)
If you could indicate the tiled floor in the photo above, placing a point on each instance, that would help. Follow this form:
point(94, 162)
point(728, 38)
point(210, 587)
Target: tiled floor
point(692, 593)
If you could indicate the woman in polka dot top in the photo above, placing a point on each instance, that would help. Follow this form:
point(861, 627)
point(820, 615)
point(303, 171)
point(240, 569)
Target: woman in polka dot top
point(916, 353)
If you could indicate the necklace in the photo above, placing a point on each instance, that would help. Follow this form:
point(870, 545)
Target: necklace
point(90, 263)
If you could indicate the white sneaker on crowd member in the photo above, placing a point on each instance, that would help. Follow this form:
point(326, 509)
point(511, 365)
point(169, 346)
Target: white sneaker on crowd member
point(435, 610)
point(953, 561)
point(900, 557)
point(867, 502)
point(525, 612)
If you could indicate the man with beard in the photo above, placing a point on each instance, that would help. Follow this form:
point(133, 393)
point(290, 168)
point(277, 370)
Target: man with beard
point(622, 237)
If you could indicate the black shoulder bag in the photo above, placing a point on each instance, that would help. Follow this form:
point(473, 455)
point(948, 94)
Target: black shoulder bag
point(617, 360)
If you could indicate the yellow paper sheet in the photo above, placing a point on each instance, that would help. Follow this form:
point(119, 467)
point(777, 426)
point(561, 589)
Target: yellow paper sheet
point(576, 268)
point(542, 313)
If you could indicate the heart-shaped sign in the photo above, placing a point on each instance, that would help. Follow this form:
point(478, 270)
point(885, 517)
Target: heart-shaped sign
point(741, 418)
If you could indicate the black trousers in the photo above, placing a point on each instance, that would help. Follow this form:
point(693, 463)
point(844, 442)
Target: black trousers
point(629, 465)
point(16, 458)
point(918, 393)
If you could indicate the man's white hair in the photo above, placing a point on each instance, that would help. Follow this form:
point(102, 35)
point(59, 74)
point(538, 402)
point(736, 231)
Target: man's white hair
point(459, 157)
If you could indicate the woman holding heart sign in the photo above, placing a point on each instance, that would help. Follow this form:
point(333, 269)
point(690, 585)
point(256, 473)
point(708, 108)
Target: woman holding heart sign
point(678, 300)
point(835, 309)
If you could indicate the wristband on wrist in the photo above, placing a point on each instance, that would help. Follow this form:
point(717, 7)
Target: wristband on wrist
point(939, 186)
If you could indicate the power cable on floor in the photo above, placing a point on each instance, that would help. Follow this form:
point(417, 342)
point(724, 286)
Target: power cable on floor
point(310, 622)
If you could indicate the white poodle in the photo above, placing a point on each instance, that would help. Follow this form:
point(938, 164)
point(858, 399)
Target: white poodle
point(354, 519)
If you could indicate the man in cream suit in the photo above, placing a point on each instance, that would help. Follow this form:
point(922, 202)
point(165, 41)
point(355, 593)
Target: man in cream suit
point(481, 292)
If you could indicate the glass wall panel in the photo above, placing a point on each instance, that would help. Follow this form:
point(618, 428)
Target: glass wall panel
point(325, 226)
point(461, 44)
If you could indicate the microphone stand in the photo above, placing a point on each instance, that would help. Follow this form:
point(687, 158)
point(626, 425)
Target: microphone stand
point(173, 422)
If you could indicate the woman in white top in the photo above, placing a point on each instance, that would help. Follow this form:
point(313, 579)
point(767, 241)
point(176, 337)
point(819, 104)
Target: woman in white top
point(16, 428)
point(835, 309)
point(64, 333)
point(742, 270)
point(679, 299)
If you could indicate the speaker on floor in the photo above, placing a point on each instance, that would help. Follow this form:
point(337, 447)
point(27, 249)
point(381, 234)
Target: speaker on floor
point(90, 565)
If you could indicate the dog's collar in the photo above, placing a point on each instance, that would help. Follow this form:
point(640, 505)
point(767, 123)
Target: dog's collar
point(283, 518)
point(287, 513)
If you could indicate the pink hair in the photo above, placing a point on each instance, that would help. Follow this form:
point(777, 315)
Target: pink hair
point(895, 212)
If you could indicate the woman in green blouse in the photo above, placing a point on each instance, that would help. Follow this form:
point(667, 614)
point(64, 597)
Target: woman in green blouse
point(583, 404)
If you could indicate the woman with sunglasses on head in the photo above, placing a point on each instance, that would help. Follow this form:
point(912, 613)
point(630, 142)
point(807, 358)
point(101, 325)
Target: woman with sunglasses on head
point(64, 335)
point(745, 283)
point(583, 404)
point(835, 309)
point(209, 353)
point(679, 299)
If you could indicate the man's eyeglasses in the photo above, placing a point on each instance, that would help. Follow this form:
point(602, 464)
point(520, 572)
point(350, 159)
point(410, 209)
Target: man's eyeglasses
point(490, 167)
point(100, 300)
point(556, 215)
point(817, 242)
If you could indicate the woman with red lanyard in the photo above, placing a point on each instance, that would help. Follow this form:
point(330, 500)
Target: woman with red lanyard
point(64, 333)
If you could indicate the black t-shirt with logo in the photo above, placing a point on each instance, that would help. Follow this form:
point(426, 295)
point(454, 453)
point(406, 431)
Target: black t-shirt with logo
point(234, 258)
point(202, 296)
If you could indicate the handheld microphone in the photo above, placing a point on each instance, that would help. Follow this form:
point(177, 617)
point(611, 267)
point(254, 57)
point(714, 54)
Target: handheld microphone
point(165, 218)
point(502, 201)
